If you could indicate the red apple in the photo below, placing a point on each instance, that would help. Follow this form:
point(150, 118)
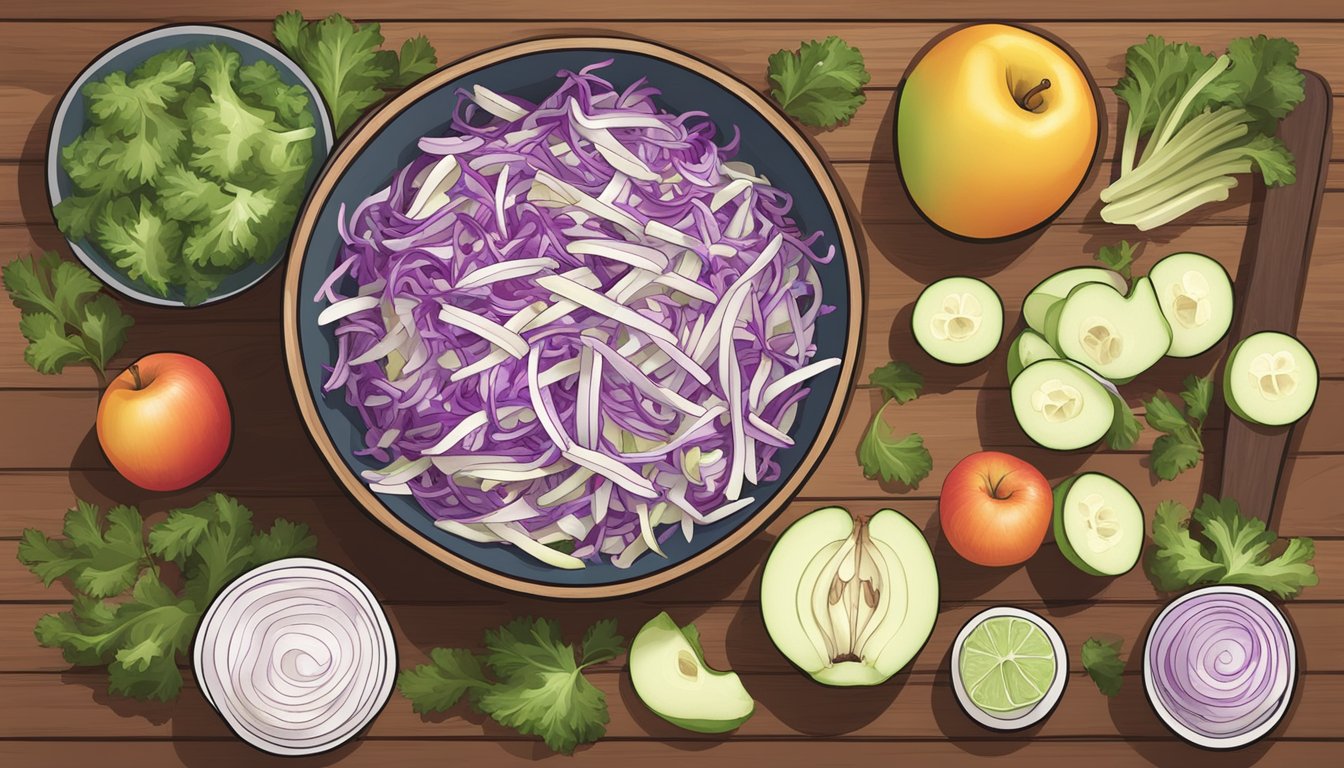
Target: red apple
point(164, 422)
point(995, 508)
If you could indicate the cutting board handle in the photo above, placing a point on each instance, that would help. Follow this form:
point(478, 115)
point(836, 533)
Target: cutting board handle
point(1270, 283)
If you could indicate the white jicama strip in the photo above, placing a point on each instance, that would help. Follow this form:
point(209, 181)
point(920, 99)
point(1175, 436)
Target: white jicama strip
point(568, 289)
point(733, 488)
point(389, 437)
point(441, 177)
point(642, 382)
point(567, 490)
point(380, 350)
point(399, 471)
point(518, 537)
point(397, 489)
point(489, 330)
point(749, 460)
point(709, 336)
point(568, 194)
point(628, 555)
point(634, 254)
point(624, 120)
point(450, 465)
point(559, 372)
point(758, 381)
point(669, 234)
point(791, 380)
point(728, 509)
point(687, 430)
point(544, 416)
point(611, 469)
point(736, 169)
point(458, 433)
point(730, 190)
point(601, 502)
point(573, 527)
point(496, 105)
point(466, 531)
point(687, 286)
point(511, 513)
point(296, 656)
point(345, 308)
point(503, 474)
point(611, 150)
point(510, 416)
point(587, 407)
point(646, 529)
point(742, 222)
point(515, 324)
point(769, 429)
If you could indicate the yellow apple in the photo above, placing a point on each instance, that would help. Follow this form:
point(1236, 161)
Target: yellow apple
point(995, 131)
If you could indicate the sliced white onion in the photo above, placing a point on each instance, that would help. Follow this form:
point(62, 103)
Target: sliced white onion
point(296, 656)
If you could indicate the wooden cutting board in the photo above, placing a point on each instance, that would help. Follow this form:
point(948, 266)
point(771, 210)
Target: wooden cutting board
point(1270, 283)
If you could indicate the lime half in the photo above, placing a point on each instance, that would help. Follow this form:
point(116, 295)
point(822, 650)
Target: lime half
point(1007, 664)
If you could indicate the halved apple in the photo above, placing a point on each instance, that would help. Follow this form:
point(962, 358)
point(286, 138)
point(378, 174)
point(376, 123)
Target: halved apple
point(850, 602)
point(668, 670)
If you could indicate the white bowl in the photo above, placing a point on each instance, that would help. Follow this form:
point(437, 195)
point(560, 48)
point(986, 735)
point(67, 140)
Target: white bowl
point(1027, 716)
point(1184, 731)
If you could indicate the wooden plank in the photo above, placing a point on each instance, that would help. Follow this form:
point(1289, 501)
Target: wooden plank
point(733, 636)
point(788, 706)
point(1269, 295)
point(805, 752)
point(613, 10)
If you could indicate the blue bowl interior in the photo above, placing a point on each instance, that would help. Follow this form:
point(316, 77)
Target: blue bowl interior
point(532, 77)
point(76, 121)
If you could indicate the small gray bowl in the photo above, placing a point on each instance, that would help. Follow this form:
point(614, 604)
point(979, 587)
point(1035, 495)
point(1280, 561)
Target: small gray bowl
point(71, 120)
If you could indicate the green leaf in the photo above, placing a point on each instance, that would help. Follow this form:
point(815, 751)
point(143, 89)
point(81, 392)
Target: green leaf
point(142, 241)
point(1264, 79)
point(527, 643)
point(440, 684)
point(898, 381)
point(49, 559)
point(906, 461)
point(1119, 258)
point(1272, 158)
point(1242, 544)
point(116, 557)
point(1102, 662)
point(602, 643)
point(288, 30)
point(418, 59)
point(1157, 74)
point(560, 706)
point(1125, 428)
point(27, 280)
point(285, 539)
point(1177, 561)
point(1171, 456)
point(159, 679)
point(49, 350)
point(260, 85)
point(223, 551)
point(1197, 396)
point(1162, 415)
point(175, 538)
point(821, 84)
point(104, 329)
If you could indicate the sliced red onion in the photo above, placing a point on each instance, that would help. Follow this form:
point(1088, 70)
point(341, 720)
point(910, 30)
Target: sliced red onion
point(296, 656)
point(1219, 666)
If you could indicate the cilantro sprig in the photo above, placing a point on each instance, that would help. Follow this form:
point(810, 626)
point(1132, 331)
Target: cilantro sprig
point(1180, 446)
point(1119, 257)
point(820, 84)
point(881, 453)
point(346, 64)
point(528, 679)
point(125, 615)
point(1102, 662)
point(65, 316)
point(1232, 549)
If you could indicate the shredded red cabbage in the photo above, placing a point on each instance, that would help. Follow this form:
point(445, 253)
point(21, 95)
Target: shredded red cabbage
point(575, 321)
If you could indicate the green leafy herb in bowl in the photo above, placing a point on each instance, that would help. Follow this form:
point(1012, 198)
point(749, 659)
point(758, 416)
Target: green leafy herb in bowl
point(179, 160)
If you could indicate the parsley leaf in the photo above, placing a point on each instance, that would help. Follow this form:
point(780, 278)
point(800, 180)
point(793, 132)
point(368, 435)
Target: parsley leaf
point(345, 62)
point(1125, 428)
point(1235, 550)
point(821, 84)
point(63, 314)
point(898, 381)
point(140, 634)
point(1119, 258)
point(1101, 660)
point(1181, 447)
point(533, 683)
point(906, 461)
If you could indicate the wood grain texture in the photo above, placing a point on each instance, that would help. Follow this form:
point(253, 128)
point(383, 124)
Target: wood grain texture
point(1269, 295)
point(51, 714)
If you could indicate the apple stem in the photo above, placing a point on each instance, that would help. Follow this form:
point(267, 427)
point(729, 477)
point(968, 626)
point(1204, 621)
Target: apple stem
point(1025, 101)
point(135, 374)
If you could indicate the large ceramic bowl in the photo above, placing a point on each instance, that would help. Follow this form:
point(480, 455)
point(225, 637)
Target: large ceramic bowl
point(71, 120)
point(365, 162)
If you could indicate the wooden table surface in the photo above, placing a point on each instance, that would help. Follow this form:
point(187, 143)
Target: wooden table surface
point(51, 714)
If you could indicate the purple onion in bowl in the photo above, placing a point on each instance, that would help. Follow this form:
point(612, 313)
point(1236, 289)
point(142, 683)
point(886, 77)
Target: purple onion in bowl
point(1219, 666)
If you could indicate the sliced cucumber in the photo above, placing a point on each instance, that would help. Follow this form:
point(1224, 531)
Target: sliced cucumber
point(1195, 294)
point(1056, 287)
point(1115, 335)
point(1098, 524)
point(1027, 348)
point(1271, 379)
point(958, 320)
point(1061, 405)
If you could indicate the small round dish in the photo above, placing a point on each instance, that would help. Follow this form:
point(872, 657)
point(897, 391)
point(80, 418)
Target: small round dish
point(1231, 655)
point(70, 120)
point(386, 139)
point(1027, 716)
